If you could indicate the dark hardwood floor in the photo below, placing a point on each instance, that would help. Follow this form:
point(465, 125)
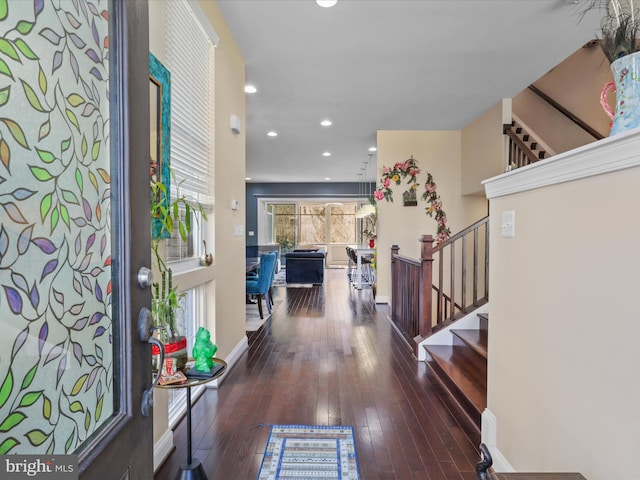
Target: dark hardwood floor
point(329, 356)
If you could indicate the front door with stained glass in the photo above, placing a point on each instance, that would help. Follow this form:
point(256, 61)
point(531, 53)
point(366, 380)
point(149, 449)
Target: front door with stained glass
point(74, 151)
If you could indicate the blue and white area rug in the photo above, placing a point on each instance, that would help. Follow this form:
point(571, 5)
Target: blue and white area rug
point(309, 451)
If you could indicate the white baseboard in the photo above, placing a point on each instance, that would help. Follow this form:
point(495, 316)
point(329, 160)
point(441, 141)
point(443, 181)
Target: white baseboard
point(489, 438)
point(383, 299)
point(162, 448)
point(231, 360)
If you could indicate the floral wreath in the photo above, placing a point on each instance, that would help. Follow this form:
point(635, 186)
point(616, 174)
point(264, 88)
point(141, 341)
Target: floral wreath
point(409, 168)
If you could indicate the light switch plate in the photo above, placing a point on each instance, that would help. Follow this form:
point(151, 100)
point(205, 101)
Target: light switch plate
point(238, 230)
point(509, 224)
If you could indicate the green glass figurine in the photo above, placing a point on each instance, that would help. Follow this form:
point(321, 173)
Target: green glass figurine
point(203, 351)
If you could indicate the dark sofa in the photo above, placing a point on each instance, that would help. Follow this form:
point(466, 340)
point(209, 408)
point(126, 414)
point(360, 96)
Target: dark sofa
point(305, 266)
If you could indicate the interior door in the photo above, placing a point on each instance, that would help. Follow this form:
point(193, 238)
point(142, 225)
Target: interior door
point(74, 233)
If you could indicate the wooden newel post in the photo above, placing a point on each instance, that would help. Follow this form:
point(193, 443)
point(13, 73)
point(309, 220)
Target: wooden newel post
point(426, 283)
point(394, 281)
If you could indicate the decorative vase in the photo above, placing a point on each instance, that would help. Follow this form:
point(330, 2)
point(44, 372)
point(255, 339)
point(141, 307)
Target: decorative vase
point(626, 75)
point(171, 331)
point(372, 243)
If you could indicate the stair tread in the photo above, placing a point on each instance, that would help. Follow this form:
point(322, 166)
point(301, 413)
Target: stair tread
point(538, 476)
point(470, 378)
point(474, 338)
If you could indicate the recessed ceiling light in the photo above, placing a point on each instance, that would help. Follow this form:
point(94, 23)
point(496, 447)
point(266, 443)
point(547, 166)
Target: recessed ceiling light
point(326, 3)
point(326, 154)
point(327, 178)
point(250, 89)
point(247, 178)
point(326, 123)
point(372, 149)
point(272, 133)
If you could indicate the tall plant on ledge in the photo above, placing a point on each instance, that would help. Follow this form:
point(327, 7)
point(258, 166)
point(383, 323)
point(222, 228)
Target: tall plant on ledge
point(166, 218)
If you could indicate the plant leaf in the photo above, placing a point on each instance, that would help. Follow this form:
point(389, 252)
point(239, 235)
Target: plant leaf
point(5, 389)
point(16, 132)
point(11, 421)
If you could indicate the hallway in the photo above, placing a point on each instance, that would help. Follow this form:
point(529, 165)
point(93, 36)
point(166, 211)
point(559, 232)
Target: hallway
point(329, 356)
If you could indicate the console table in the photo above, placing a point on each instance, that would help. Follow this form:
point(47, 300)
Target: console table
point(193, 470)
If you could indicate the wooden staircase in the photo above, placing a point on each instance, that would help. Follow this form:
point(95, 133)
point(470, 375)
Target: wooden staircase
point(524, 149)
point(462, 368)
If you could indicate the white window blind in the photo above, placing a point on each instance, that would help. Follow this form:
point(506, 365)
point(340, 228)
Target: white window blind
point(190, 60)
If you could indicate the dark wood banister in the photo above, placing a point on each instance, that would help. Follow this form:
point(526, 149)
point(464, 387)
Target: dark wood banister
point(413, 290)
point(585, 126)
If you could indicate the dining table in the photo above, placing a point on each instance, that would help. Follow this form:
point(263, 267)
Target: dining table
point(252, 264)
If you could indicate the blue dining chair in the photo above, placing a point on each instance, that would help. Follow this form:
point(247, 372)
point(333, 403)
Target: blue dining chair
point(259, 286)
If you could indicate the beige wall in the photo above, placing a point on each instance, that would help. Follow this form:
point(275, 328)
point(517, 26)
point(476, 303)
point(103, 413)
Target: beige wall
point(575, 84)
point(440, 154)
point(227, 317)
point(563, 363)
point(229, 185)
point(483, 148)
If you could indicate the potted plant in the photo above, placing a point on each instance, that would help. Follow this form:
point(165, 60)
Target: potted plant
point(620, 27)
point(168, 215)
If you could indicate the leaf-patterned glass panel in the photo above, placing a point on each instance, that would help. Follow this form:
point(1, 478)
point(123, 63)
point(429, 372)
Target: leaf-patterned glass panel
point(56, 347)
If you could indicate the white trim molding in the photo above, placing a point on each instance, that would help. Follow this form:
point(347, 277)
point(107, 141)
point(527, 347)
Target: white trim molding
point(610, 154)
point(162, 448)
point(489, 438)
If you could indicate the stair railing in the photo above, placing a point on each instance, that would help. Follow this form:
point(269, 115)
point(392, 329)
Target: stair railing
point(423, 301)
point(520, 154)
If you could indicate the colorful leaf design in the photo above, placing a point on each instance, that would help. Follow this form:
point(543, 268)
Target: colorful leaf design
point(72, 118)
point(25, 49)
point(51, 36)
point(42, 80)
point(14, 212)
point(34, 297)
point(70, 197)
point(4, 95)
point(32, 97)
point(24, 240)
point(30, 398)
point(45, 206)
point(9, 50)
point(5, 153)
point(16, 132)
point(54, 353)
point(18, 342)
point(45, 156)
point(24, 27)
point(49, 267)
point(51, 185)
point(42, 336)
point(76, 407)
point(14, 299)
point(44, 131)
point(22, 193)
point(28, 378)
point(11, 421)
point(6, 388)
point(98, 413)
point(69, 443)
point(44, 244)
point(4, 241)
point(46, 407)
point(77, 387)
point(37, 437)
point(4, 68)
point(7, 445)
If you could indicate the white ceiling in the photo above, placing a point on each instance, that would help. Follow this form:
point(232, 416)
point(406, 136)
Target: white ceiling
point(373, 65)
